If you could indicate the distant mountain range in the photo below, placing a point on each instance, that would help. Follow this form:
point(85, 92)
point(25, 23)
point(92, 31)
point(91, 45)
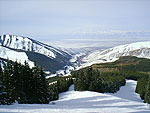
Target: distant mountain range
point(53, 59)
point(26, 49)
point(139, 49)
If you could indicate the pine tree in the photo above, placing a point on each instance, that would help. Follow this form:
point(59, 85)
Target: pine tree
point(23, 84)
point(17, 82)
point(2, 88)
point(81, 83)
point(96, 82)
point(140, 87)
point(53, 91)
point(88, 75)
point(147, 94)
point(8, 71)
point(44, 95)
point(1, 74)
point(40, 88)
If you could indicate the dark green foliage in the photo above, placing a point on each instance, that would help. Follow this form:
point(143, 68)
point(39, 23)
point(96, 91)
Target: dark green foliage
point(23, 84)
point(141, 87)
point(53, 91)
point(38, 89)
point(3, 94)
point(64, 84)
point(82, 83)
point(1, 74)
point(7, 80)
point(28, 86)
point(147, 91)
point(133, 68)
point(93, 80)
point(108, 77)
point(58, 85)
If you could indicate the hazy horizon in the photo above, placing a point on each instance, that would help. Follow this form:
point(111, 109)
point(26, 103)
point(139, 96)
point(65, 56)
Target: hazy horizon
point(77, 23)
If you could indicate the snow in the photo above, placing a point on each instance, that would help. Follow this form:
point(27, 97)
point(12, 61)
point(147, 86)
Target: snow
point(76, 56)
point(62, 72)
point(130, 88)
point(139, 49)
point(24, 43)
point(124, 101)
point(14, 56)
point(11, 42)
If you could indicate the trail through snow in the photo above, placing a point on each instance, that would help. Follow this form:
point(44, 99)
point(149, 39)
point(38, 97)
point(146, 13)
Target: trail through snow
point(124, 101)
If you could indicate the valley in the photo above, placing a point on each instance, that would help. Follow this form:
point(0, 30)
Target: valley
point(74, 56)
point(94, 74)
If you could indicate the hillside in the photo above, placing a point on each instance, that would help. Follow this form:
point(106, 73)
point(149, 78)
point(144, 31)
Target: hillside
point(109, 77)
point(138, 49)
point(23, 48)
point(125, 63)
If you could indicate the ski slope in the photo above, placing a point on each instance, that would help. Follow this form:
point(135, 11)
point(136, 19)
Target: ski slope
point(124, 101)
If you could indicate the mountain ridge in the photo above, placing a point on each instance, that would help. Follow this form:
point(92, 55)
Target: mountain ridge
point(138, 49)
point(26, 48)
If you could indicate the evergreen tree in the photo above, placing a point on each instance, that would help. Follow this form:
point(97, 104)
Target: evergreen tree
point(40, 89)
point(81, 83)
point(88, 75)
point(2, 88)
point(96, 82)
point(1, 74)
point(8, 71)
point(43, 87)
point(147, 92)
point(23, 84)
point(17, 82)
point(53, 91)
point(140, 87)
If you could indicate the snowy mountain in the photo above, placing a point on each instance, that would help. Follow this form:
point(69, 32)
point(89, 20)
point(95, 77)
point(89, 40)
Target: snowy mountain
point(23, 48)
point(139, 49)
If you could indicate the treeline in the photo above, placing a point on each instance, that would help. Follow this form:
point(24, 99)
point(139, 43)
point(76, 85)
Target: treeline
point(109, 77)
point(93, 80)
point(58, 85)
point(25, 85)
point(143, 88)
point(19, 83)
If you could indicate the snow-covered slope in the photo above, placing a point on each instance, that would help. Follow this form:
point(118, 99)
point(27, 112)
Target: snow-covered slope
point(139, 49)
point(24, 48)
point(87, 102)
point(27, 44)
point(21, 57)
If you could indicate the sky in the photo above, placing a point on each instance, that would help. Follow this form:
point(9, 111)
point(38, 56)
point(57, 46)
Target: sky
point(77, 23)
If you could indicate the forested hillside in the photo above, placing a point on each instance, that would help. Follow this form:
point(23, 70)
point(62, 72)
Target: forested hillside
point(109, 77)
point(24, 85)
point(19, 83)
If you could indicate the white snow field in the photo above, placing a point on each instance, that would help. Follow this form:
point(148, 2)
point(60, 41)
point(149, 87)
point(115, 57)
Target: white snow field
point(124, 101)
